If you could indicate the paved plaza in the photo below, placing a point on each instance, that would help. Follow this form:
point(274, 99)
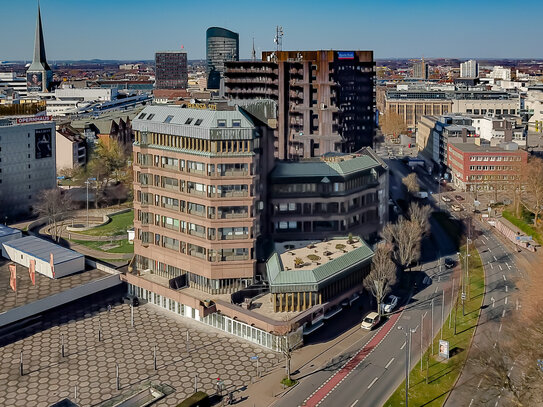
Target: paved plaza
point(89, 363)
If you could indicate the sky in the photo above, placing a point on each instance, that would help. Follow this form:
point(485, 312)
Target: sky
point(136, 29)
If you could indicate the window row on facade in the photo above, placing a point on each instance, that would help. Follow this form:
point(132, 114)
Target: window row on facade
point(194, 167)
point(322, 208)
point(194, 250)
point(196, 144)
point(192, 188)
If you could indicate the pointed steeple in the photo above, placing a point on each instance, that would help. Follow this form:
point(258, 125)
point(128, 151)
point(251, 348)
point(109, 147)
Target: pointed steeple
point(253, 54)
point(39, 61)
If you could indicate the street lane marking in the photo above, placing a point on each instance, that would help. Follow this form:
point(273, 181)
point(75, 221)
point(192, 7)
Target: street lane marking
point(506, 288)
point(504, 279)
point(508, 266)
point(356, 401)
point(503, 313)
point(495, 343)
point(495, 259)
point(403, 346)
point(500, 266)
point(491, 266)
point(506, 300)
point(499, 330)
point(372, 383)
point(480, 381)
point(389, 363)
point(471, 402)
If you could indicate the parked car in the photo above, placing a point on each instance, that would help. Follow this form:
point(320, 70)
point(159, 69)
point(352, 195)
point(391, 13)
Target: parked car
point(449, 263)
point(427, 280)
point(370, 321)
point(445, 198)
point(459, 198)
point(456, 208)
point(390, 303)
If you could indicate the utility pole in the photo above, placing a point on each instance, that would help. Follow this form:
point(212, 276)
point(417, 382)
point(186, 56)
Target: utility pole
point(421, 339)
point(432, 338)
point(442, 313)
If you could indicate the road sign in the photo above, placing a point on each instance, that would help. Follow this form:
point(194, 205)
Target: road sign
point(463, 296)
point(254, 357)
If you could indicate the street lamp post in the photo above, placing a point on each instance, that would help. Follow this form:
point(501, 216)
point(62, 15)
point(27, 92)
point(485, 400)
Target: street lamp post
point(408, 333)
point(88, 182)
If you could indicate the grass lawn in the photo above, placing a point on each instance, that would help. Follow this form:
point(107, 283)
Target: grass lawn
point(124, 246)
point(430, 386)
point(525, 224)
point(118, 225)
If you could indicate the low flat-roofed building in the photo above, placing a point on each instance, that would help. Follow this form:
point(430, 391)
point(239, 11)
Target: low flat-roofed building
point(7, 234)
point(316, 273)
point(52, 260)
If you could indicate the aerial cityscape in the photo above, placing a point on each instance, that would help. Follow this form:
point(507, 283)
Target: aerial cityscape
point(299, 204)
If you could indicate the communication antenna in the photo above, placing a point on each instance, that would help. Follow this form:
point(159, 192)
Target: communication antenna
point(279, 37)
point(253, 54)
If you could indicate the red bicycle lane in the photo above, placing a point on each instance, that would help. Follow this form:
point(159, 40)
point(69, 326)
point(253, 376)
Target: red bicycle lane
point(328, 386)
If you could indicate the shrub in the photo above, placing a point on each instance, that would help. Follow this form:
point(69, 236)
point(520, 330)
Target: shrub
point(340, 246)
point(298, 261)
point(288, 382)
point(313, 257)
point(198, 399)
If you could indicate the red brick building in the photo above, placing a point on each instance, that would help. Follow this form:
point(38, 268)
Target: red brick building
point(483, 167)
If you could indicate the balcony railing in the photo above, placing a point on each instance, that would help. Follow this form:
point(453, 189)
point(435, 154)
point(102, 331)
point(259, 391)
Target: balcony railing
point(233, 215)
point(234, 237)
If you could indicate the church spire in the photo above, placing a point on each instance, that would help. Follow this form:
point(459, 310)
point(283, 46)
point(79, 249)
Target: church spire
point(39, 61)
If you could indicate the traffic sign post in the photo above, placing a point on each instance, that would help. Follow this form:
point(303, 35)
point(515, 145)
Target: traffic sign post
point(256, 358)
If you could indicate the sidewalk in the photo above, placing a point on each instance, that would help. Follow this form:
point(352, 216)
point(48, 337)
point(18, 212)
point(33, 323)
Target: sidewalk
point(268, 389)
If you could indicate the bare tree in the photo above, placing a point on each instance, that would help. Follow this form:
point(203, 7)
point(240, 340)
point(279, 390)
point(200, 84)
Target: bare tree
point(405, 238)
point(420, 215)
point(411, 182)
point(393, 123)
point(533, 187)
point(382, 275)
point(53, 204)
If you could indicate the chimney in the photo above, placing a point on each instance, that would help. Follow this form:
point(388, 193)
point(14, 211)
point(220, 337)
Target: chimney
point(464, 135)
point(508, 132)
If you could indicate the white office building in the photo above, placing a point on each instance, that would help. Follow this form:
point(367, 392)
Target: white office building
point(469, 69)
point(499, 72)
point(11, 80)
point(27, 163)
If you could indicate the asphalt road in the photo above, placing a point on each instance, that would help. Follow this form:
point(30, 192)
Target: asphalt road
point(372, 382)
point(501, 274)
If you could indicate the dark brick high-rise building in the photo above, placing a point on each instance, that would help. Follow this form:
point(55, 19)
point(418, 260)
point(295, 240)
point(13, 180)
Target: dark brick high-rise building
point(325, 99)
point(171, 70)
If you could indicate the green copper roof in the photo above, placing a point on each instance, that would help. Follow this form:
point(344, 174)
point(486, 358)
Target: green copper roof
point(278, 277)
point(323, 168)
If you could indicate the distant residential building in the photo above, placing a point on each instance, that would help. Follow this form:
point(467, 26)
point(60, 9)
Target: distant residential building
point(469, 69)
point(171, 70)
point(129, 67)
point(39, 75)
point(69, 100)
point(499, 72)
point(481, 167)
point(27, 163)
point(71, 148)
point(340, 117)
point(420, 69)
point(222, 45)
point(334, 195)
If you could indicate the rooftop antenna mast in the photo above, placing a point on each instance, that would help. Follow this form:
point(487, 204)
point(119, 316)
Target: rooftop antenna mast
point(253, 54)
point(279, 37)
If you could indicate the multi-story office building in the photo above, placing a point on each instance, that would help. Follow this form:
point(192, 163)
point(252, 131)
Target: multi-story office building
point(469, 69)
point(413, 104)
point(499, 72)
point(171, 70)
point(222, 45)
point(198, 195)
point(12, 81)
point(333, 195)
point(27, 163)
point(71, 148)
point(436, 132)
point(482, 167)
point(500, 129)
point(325, 99)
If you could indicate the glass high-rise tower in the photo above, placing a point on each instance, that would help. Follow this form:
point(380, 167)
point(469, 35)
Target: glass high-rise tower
point(221, 45)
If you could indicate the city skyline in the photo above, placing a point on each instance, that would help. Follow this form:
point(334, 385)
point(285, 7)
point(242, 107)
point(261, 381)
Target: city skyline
point(130, 31)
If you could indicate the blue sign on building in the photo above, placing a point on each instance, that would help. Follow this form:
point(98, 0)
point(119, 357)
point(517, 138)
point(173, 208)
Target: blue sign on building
point(345, 55)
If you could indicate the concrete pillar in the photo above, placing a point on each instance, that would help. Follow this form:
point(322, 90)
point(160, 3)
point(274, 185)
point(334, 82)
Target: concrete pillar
point(298, 302)
point(305, 297)
point(320, 298)
point(280, 302)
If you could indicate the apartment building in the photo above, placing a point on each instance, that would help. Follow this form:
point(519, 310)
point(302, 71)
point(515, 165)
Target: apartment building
point(197, 195)
point(171, 70)
point(325, 99)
